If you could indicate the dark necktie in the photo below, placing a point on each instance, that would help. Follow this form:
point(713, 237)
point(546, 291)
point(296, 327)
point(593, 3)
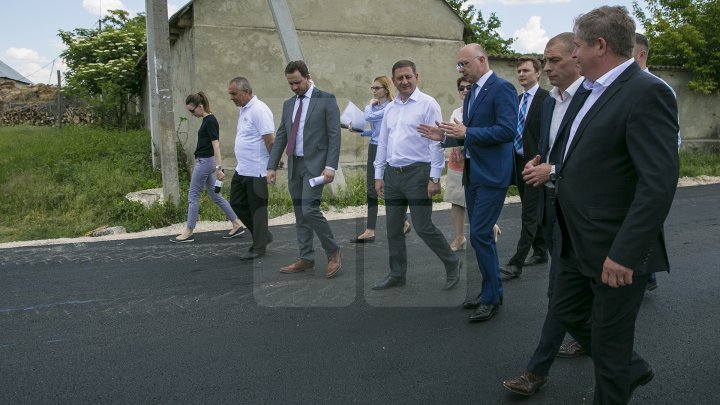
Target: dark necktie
point(290, 150)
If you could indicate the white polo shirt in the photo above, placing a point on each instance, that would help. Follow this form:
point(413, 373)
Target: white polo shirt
point(255, 120)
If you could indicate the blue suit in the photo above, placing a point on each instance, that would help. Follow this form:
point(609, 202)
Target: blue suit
point(490, 122)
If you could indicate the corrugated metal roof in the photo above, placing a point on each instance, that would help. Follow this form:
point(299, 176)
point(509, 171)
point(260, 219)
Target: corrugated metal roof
point(10, 73)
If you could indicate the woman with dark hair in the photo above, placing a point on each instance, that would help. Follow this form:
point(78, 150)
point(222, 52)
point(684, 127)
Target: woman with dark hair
point(207, 169)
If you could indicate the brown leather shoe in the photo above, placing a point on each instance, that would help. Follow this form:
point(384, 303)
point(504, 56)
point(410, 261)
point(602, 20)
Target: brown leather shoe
point(297, 266)
point(571, 348)
point(334, 264)
point(527, 384)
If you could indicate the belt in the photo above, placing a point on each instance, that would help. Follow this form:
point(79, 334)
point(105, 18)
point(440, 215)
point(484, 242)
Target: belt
point(408, 168)
point(298, 157)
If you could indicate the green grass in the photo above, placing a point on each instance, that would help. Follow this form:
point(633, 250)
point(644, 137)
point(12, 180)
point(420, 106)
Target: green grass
point(66, 182)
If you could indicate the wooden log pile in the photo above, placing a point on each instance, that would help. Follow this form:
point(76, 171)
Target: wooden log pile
point(36, 105)
point(40, 115)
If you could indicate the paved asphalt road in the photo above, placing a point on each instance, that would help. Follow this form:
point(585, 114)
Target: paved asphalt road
point(146, 321)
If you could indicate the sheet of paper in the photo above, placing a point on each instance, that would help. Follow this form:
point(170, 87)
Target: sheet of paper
point(316, 181)
point(353, 114)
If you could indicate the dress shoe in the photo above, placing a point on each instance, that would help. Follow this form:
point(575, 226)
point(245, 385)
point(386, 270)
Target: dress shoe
point(460, 246)
point(527, 384)
point(644, 378)
point(251, 255)
point(389, 282)
point(334, 264)
point(472, 303)
point(297, 266)
point(510, 271)
point(370, 239)
point(453, 277)
point(483, 312)
point(177, 239)
point(535, 260)
point(570, 349)
point(235, 234)
point(651, 285)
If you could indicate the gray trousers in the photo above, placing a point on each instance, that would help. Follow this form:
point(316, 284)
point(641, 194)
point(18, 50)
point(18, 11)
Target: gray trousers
point(203, 177)
point(407, 186)
point(308, 218)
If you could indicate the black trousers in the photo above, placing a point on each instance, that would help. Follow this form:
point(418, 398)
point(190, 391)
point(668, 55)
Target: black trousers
point(407, 186)
point(602, 320)
point(553, 332)
point(249, 200)
point(372, 197)
point(530, 234)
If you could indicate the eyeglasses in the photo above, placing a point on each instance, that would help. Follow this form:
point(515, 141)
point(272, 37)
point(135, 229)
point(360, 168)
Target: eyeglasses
point(464, 64)
point(193, 110)
point(376, 88)
point(463, 88)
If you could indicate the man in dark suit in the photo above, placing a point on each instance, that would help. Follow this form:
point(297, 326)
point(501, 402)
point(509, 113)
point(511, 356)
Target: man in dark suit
point(614, 190)
point(309, 133)
point(566, 97)
point(487, 131)
point(527, 138)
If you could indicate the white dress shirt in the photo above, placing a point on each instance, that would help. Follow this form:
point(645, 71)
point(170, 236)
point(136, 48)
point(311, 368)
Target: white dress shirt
point(255, 121)
point(562, 102)
point(299, 150)
point(400, 144)
point(597, 88)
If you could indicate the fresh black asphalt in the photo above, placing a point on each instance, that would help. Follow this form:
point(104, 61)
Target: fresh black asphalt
point(146, 321)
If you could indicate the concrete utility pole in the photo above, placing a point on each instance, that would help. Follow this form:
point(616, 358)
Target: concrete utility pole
point(158, 55)
point(291, 47)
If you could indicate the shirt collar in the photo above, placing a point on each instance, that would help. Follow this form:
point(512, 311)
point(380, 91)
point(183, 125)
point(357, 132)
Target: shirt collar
point(533, 89)
point(608, 78)
point(249, 103)
point(309, 91)
point(414, 96)
point(484, 78)
point(568, 93)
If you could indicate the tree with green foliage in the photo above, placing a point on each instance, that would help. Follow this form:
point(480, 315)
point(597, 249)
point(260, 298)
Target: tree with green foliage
point(483, 32)
point(102, 66)
point(683, 33)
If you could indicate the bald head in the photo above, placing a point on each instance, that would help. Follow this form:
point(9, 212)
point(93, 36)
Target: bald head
point(472, 62)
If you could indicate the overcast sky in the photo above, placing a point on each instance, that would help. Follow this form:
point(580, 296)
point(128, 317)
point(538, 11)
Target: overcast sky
point(29, 41)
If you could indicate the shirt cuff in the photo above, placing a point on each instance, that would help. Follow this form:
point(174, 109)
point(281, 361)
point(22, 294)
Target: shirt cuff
point(435, 172)
point(329, 168)
point(379, 174)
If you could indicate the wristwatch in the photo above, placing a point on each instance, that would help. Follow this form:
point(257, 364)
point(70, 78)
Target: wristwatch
point(553, 177)
point(218, 167)
point(435, 180)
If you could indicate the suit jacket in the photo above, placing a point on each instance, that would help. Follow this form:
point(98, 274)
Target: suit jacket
point(544, 149)
point(619, 176)
point(531, 131)
point(321, 134)
point(491, 124)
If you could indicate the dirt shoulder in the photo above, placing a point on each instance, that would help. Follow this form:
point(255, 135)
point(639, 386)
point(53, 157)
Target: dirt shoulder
point(212, 226)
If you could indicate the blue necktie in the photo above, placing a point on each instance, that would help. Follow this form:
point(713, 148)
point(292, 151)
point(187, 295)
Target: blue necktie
point(517, 144)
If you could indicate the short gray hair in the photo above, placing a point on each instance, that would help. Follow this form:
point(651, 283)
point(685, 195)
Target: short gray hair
point(612, 23)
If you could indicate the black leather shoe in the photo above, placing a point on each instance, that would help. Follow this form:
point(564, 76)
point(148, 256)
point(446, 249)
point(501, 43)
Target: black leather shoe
point(510, 271)
point(389, 282)
point(483, 312)
point(370, 239)
point(472, 303)
point(453, 277)
point(251, 255)
point(644, 378)
point(535, 260)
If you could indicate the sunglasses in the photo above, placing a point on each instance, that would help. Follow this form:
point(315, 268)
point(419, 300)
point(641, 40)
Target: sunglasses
point(466, 87)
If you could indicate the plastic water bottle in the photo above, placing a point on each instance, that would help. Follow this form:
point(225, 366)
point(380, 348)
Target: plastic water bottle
point(218, 186)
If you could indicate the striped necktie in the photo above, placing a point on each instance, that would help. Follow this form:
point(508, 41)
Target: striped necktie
point(517, 144)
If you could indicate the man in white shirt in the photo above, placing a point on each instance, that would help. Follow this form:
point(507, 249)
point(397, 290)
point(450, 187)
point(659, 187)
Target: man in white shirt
point(253, 142)
point(407, 173)
point(539, 173)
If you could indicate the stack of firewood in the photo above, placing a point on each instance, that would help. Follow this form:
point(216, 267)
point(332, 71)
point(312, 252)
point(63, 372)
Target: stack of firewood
point(39, 114)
